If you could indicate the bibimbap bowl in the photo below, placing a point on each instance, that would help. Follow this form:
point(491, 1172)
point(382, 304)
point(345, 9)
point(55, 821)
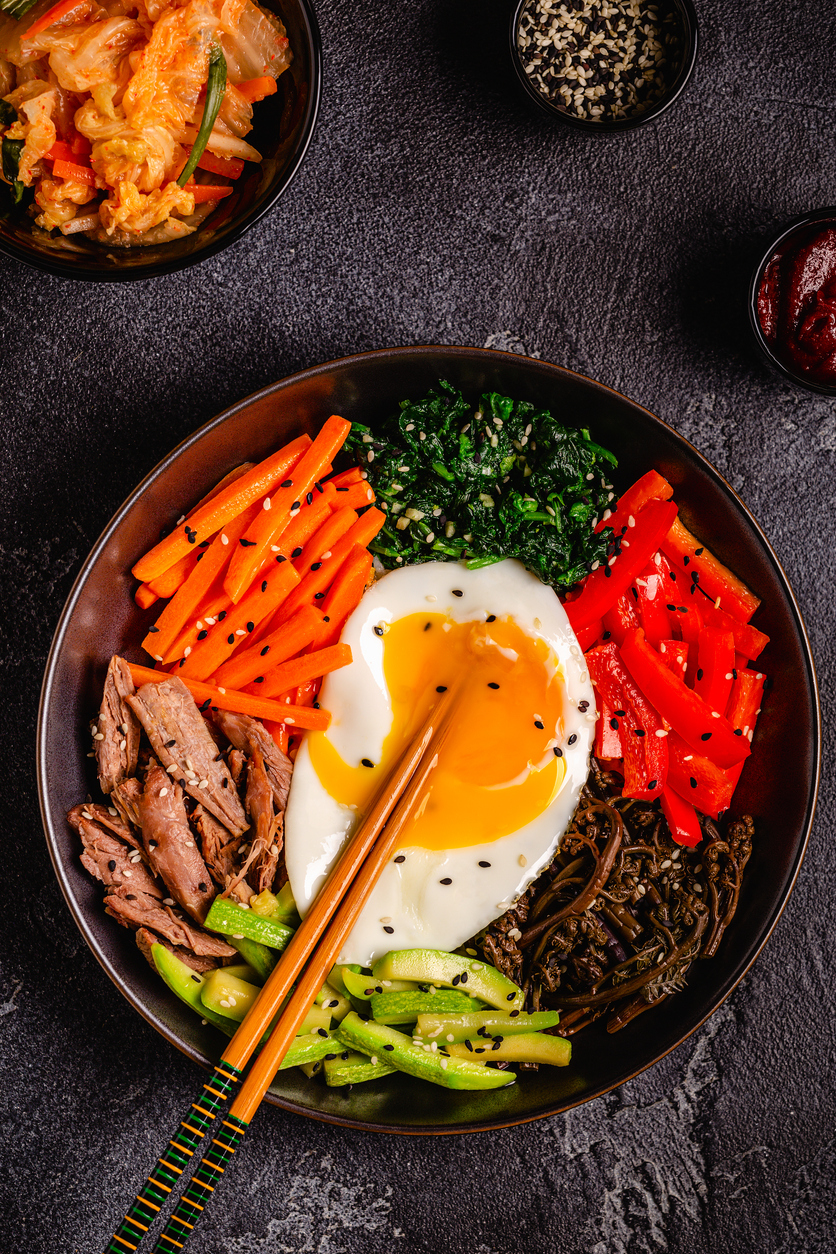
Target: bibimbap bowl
point(778, 784)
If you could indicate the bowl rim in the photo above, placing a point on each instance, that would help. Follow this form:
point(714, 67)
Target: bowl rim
point(159, 269)
point(617, 125)
point(798, 223)
point(737, 971)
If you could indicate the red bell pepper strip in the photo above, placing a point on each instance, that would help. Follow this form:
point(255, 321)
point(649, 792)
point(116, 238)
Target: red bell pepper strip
point(682, 818)
point(604, 586)
point(61, 152)
point(715, 667)
point(651, 599)
point(699, 781)
point(608, 743)
point(687, 713)
point(645, 754)
point(229, 167)
point(715, 579)
point(623, 617)
point(747, 639)
point(674, 653)
point(651, 487)
point(588, 636)
point(745, 701)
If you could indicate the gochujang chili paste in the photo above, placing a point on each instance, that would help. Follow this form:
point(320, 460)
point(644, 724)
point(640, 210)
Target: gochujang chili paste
point(797, 304)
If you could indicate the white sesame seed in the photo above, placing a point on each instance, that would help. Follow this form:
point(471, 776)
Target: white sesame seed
point(168, 901)
point(267, 502)
point(224, 539)
point(127, 874)
point(99, 736)
point(163, 792)
point(187, 650)
point(522, 860)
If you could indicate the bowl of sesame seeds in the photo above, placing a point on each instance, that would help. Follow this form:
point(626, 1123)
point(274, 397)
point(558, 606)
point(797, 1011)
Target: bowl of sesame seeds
point(603, 65)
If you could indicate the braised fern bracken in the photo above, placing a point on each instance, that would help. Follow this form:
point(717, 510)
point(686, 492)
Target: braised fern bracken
point(505, 479)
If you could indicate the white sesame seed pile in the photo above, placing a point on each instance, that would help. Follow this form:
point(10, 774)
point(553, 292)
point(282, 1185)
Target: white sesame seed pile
point(601, 59)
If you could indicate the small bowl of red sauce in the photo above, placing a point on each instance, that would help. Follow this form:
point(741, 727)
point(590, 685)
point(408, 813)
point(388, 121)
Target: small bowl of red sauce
point(792, 302)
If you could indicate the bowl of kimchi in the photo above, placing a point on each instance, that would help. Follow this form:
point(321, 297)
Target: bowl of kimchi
point(142, 136)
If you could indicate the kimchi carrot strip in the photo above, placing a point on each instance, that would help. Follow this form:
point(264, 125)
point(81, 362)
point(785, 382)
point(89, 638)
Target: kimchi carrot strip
point(238, 702)
point(230, 167)
point(55, 14)
point(71, 170)
point(261, 601)
point(186, 600)
point(299, 670)
point(294, 636)
point(254, 89)
point(283, 505)
point(207, 191)
point(320, 545)
point(145, 596)
point(316, 583)
point(344, 595)
point(228, 504)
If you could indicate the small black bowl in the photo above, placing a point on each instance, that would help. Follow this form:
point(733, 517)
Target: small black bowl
point(690, 39)
point(799, 227)
point(778, 784)
point(282, 128)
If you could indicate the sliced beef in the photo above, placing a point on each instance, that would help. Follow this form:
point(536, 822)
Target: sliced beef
point(116, 738)
point(238, 769)
point(250, 736)
point(108, 859)
point(146, 938)
point(170, 845)
point(220, 849)
point(179, 738)
point(105, 817)
point(136, 910)
point(268, 824)
point(126, 797)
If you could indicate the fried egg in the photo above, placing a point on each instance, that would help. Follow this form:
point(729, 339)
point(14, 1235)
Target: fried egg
point(510, 771)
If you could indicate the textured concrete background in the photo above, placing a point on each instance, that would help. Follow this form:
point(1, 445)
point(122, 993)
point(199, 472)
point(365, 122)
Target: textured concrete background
point(434, 208)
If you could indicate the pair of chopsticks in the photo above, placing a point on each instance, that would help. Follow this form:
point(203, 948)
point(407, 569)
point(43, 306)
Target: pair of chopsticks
point(317, 943)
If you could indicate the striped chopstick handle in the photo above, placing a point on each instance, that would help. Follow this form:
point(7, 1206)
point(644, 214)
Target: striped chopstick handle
point(174, 1161)
point(200, 1188)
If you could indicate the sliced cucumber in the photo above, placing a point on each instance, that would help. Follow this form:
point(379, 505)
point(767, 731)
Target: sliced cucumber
point(227, 994)
point(393, 1008)
point(435, 966)
point(188, 986)
point(379, 1041)
point(259, 957)
point(350, 1067)
point(236, 921)
point(445, 1027)
point(528, 1047)
point(335, 1003)
point(364, 987)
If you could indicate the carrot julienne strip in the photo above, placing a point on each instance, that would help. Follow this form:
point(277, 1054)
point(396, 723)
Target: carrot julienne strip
point(55, 14)
point(294, 636)
point(229, 167)
point(239, 702)
point(315, 584)
point(212, 609)
point(207, 191)
point(322, 543)
point(344, 595)
point(254, 89)
point(228, 504)
point(301, 670)
point(283, 505)
point(71, 170)
point(260, 602)
point(145, 596)
point(185, 601)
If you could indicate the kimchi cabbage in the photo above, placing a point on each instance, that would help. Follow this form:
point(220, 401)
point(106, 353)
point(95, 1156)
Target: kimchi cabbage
point(108, 99)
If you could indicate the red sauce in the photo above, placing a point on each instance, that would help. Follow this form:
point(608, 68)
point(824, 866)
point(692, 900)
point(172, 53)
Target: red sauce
point(797, 303)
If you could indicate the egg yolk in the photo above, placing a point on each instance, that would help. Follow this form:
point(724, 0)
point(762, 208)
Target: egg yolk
point(497, 770)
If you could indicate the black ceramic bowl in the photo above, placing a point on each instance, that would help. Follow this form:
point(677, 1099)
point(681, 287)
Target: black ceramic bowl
point(282, 128)
point(690, 39)
point(792, 236)
point(778, 785)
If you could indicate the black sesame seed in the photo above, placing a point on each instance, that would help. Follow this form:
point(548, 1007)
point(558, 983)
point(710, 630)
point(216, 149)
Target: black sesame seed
point(309, 497)
point(457, 592)
point(698, 552)
point(607, 573)
point(111, 866)
point(264, 585)
point(401, 857)
point(441, 688)
point(201, 888)
point(484, 864)
point(296, 505)
point(493, 685)
point(378, 631)
point(540, 726)
point(685, 561)
point(222, 616)
point(297, 552)
point(468, 1046)
point(446, 881)
point(734, 676)
point(246, 543)
point(464, 977)
point(614, 724)
point(170, 743)
point(259, 679)
point(390, 930)
point(455, 980)
point(638, 731)
point(571, 739)
point(366, 762)
point(699, 672)
point(231, 638)
point(130, 896)
point(388, 1048)
point(250, 626)
point(510, 996)
point(153, 629)
point(653, 783)
point(427, 626)
point(196, 979)
point(619, 713)
point(705, 736)
point(265, 650)
point(201, 635)
point(583, 706)
point(693, 782)
point(287, 483)
point(318, 596)
point(152, 844)
point(558, 752)
point(672, 608)
point(224, 782)
point(738, 731)
point(316, 565)
point(606, 635)
point(491, 618)
point(513, 1013)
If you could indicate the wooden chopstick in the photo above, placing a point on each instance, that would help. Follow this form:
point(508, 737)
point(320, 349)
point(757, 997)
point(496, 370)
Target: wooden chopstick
point(340, 899)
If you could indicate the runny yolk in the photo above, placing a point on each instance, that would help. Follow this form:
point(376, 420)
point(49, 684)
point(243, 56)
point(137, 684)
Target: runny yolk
point(496, 770)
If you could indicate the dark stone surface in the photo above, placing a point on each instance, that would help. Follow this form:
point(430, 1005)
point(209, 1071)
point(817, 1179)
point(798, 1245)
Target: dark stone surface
point(434, 208)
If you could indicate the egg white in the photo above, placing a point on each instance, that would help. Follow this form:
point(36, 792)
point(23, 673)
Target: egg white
point(408, 898)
